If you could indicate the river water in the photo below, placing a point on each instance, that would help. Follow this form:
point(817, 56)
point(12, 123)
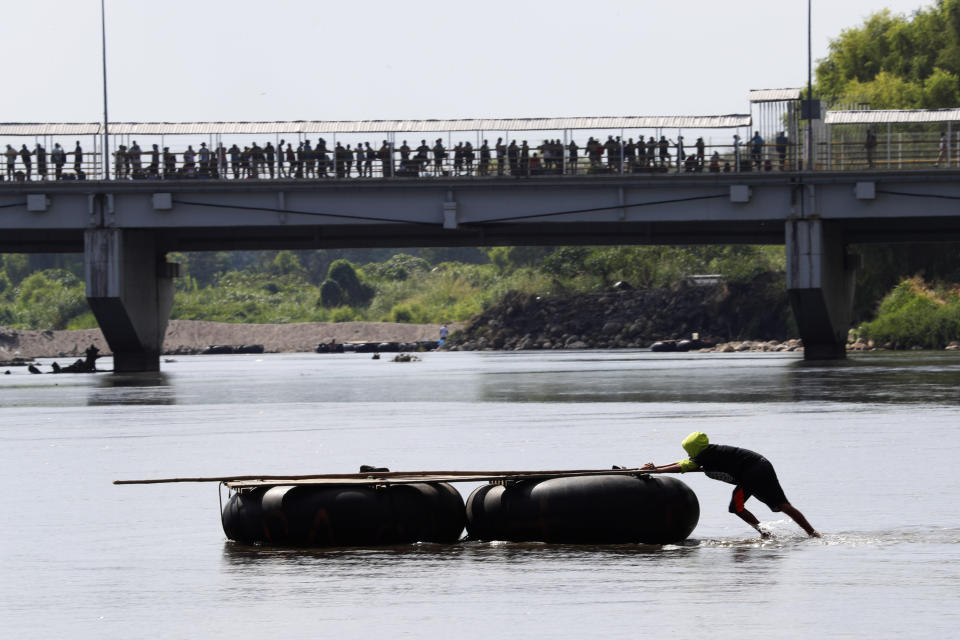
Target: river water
point(865, 448)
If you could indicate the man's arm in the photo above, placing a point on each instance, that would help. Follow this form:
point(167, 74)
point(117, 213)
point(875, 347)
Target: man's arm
point(666, 468)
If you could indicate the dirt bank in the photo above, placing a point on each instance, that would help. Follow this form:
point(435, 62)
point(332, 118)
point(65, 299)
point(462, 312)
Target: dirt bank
point(186, 336)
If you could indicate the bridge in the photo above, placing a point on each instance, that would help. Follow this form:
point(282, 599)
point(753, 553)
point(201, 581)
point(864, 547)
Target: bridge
point(125, 227)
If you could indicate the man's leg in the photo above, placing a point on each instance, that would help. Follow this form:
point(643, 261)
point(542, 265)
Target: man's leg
point(794, 513)
point(751, 519)
point(737, 500)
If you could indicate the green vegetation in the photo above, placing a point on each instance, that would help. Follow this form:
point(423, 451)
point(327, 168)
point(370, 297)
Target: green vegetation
point(46, 298)
point(276, 287)
point(916, 315)
point(896, 62)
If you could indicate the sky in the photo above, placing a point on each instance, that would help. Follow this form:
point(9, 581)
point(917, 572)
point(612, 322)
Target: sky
point(189, 60)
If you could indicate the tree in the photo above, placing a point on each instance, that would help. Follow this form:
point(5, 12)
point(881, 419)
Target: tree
point(16, 266)
point(285, 263)
point(331, 295)
point(354, 291)
point(896, 62)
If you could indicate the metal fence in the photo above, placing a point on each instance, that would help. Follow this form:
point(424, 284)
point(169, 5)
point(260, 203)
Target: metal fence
point(666, 155)
point(181, 156)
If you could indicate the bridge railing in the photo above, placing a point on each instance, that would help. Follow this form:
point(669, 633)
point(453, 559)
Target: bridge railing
point(70, 165)
point(898, 153)
point(391, 163)
point(895, 152)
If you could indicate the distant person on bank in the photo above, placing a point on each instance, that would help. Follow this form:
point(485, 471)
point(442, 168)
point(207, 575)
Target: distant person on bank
point(752, 474)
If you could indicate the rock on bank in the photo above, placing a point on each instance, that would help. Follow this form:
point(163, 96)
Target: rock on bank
point(758, 309)
point(190, 336)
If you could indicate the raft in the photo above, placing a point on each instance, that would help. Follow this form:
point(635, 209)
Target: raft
point(598, 509)
point(382, 507)
point(340, 515)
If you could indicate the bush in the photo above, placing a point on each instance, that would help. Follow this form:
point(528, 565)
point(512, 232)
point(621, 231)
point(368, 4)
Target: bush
point(408, 314)
point(331, 295)
point(6, 286)
point(344, 314)
point(48, 300)
point(915, 315)
point(354, 291)
point(397, 268)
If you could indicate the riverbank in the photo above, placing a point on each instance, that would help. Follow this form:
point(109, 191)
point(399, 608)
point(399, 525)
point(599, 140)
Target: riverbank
point(190, 336)
point(632, 319)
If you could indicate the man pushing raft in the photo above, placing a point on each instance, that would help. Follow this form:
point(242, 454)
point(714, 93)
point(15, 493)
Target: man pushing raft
point(752, 474)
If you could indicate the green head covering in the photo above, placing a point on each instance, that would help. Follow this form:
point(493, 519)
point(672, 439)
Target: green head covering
point(694, 443)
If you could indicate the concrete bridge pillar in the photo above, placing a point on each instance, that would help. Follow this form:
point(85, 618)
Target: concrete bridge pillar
point(820, 283)
point(130, 290)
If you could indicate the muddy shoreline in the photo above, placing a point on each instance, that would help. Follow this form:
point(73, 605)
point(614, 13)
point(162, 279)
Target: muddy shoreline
point(191, 336)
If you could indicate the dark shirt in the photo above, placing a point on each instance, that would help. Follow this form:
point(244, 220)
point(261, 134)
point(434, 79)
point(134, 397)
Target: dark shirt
point(732, 460)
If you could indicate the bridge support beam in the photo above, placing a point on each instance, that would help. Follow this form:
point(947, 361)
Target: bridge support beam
point(130, 291)
point(820, 283)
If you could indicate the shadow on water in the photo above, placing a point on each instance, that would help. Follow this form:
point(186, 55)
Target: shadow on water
point(887, 378)
point(240, 557)
point(761, 554)
point(150, 388)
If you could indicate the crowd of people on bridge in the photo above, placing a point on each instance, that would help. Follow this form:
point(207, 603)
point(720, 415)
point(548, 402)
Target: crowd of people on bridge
point(58, 157)
point(321, 160)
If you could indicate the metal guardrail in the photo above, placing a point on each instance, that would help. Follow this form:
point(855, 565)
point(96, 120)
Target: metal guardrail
point(664, 156)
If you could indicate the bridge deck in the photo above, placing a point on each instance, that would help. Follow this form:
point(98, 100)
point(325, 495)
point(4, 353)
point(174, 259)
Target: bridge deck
point(196, 215)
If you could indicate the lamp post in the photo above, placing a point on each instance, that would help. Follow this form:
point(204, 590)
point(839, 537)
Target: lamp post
point(106, 134)
point(809, 86)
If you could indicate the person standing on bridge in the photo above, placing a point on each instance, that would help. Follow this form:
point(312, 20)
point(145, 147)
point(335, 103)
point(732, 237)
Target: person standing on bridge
point(385, 155)
point(756, 150)
point(295, 160)
point(11, 155)
point(25, 159)
point(41, 154)
point(752, 474)
point(59, 158)
point(941, 151)
point(153, 169)
point(369, 155)
point(271, 156)
point(78, 160)
point(348, 159)
point(439, 153)
point(119, 157)
point(484, 168)
point(870, 145)
point(280, 171)
point(204, 154)
point(136, 166)
point(307, 158)
point(322, 160)
point(664, 146)
point(781, 142)
point(169, 164)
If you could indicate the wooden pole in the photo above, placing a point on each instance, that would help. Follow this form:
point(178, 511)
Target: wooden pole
point(386, 476)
